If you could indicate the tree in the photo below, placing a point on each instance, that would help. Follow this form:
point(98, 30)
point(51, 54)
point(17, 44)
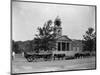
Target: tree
point(57, 21)
point(26, 46)
point(45, 39)
point(89, 40)
point(15, 46)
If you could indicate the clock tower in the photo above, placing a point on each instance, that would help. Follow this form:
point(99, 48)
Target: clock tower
point(58, 28)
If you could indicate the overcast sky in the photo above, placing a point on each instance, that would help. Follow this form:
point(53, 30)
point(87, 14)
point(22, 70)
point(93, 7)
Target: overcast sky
point(27, 16)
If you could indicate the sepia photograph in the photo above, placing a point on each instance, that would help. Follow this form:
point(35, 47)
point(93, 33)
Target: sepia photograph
point(52, 37)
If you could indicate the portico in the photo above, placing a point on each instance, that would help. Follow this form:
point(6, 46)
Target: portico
point(63, 46)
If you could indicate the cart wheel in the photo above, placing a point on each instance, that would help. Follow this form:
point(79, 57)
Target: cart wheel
point(30, 59)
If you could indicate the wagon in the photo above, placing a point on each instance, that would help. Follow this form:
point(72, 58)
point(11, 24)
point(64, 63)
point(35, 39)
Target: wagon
point(35, 56)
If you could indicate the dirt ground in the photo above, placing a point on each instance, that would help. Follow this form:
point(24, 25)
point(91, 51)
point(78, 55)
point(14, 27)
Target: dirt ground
point(20, 65)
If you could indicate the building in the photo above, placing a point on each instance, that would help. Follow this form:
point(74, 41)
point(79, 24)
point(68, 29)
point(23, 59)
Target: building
point(65, 45)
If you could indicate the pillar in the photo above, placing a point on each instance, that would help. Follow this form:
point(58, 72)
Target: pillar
point(57, 46)
point(60, 46)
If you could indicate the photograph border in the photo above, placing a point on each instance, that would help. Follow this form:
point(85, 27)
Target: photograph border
point(57, 4)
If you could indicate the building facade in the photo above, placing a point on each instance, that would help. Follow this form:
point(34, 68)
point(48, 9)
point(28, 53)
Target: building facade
point(65, 45)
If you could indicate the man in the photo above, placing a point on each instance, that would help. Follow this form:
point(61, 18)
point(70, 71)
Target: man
point(13, 55)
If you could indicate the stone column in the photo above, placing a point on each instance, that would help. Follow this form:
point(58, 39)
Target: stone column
point(60, 46)
point(70, 47)
point(57, 46)
point(65, 46)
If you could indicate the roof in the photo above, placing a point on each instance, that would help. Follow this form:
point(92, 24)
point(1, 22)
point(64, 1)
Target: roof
point(64, 38)
point(77, 42)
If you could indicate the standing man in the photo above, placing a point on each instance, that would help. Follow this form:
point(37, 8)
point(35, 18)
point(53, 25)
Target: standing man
point(13, 55)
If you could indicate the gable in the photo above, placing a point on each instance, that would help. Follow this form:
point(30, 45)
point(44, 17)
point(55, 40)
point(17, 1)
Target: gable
point(63, 38)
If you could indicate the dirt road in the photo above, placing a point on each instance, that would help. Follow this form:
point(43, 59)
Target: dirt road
point(20, 65)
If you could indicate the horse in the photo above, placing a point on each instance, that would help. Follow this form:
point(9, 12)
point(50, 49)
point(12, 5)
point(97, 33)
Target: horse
point(59, 56)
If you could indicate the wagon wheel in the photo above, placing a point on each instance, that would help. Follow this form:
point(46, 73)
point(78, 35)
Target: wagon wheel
point(30, 59)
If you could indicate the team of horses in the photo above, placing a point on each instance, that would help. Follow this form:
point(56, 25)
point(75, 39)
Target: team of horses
point(49, 57)
point(81, 55)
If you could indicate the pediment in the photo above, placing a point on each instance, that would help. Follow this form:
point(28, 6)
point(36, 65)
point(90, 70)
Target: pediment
point(64, 38)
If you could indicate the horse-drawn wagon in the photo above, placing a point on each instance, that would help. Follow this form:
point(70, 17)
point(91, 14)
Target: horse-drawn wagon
point(37, 56)
point(48, 56)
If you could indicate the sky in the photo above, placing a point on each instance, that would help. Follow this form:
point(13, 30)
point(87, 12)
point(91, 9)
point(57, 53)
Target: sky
point(27, 17)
